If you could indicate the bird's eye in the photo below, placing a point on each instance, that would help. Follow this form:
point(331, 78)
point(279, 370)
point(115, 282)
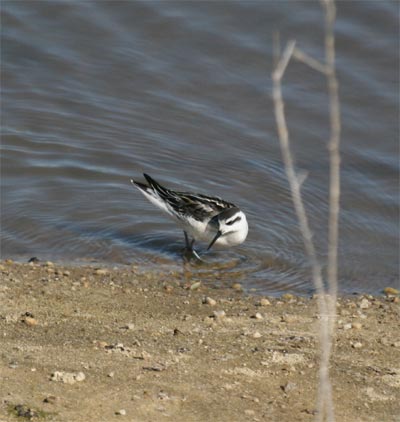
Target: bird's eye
point(229, 223)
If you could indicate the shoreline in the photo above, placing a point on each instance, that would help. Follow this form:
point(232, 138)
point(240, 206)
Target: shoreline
point(94, 343)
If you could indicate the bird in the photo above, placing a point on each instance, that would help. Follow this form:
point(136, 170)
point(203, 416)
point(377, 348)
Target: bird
point(202, 217)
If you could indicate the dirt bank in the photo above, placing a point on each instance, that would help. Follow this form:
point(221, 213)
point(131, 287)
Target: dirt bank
point(80, 344)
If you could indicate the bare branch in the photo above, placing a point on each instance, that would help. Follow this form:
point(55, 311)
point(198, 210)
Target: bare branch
point(310, 61)
point(326, 303)
point(284, 61)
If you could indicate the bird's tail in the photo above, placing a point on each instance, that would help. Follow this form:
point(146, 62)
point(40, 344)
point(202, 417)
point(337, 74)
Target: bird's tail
point(154, 192)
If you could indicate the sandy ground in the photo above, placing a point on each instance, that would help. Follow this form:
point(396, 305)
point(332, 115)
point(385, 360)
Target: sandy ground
point(87, 344)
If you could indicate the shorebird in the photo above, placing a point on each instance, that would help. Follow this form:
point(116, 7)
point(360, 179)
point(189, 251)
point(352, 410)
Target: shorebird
point(203, 218)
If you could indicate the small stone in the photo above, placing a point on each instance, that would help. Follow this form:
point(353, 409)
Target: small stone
point(347, 326)
point(210, 301)
point(9, 261)
point(289, 386)
point(121, 412)
point(145, 355)
point(288, 318)
point(168, 288)
point(357, 325)
point(26, 412)
point(264, 302)
point(30, 321)
point(101, 271)
point(219, 314)
point(209, 321)
point(66, 273)
point(364, 304)
point(2, 268)
point(287, 297)
point(50, 399)
point(249, 412)
point(257, 335)
point(237, 286)
point(356, 345)
point(258, 316)
point(390, 291)
point(195, 286)
point(129, 326)
point(110, 374)
point(49, 264)
point(67, 377)
point(80, 376)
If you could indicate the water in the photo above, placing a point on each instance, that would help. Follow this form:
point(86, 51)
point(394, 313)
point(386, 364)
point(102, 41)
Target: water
point(94, 93)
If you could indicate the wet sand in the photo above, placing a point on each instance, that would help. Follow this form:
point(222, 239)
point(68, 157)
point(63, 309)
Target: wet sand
point(101, 344)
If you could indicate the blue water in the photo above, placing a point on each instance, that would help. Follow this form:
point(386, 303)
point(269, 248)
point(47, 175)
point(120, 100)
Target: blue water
point(95, 93)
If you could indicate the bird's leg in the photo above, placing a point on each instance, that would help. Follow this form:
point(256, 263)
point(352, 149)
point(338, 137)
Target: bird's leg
point(189, 252)
point(188, 244)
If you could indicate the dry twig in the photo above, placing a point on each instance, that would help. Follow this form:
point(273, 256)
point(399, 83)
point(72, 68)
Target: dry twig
point(326, 303)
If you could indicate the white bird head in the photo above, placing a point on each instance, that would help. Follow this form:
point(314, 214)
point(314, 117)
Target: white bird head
point(232, 227)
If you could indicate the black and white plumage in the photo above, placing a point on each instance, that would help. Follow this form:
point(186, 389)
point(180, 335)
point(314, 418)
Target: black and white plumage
point(202, 217)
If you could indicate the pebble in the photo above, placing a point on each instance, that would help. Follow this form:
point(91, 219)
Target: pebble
point(390, 291)
point(121, 412)
point(30, 321)
point(257, 335)
point(287, 297)
point(2, 268)
point(357, 325)
point(288, 318)
point(289, 386)
point(101, 271)
point(356, 345)
point(195, 286)
point(129, 326)
point(168, 288)
point(249, 412)
point(66, 273)
point(258, 316)
point(364, 304)
point(219, 314)
point(210, 301)
point(49, 264)
point(347, 326)
point(237, 286)
point(111, 375)
point(264, 302)
point(50, 399)
point(67, 377)
point(25, 412)
point(9, 261)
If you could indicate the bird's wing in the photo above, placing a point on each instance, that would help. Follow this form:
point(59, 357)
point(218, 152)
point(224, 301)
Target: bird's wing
point(183, 204)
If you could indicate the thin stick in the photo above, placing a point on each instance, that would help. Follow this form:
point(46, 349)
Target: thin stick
point(326, 303)
point(334, 144)
point(325, 397)
point(334, 177)
point(310, 61)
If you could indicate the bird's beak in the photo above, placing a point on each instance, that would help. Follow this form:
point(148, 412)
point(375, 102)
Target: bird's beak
point(219, 233)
